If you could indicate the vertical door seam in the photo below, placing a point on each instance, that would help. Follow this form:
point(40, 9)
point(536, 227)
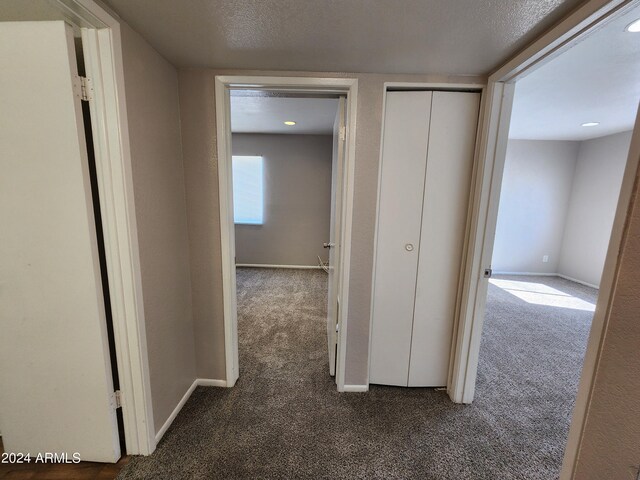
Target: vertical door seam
point(424, 188)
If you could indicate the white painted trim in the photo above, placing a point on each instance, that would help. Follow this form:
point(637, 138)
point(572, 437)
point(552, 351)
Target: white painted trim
point(120, 234)
point(227, 230)
point(198, 382)
point(290, 84)
point(263, 265)
point(571, 279)
point(86, 14)
point(211, 382)
point(527, 274)
point(176, 411)
point(492, 143)
point(223, 83)
point(472, 87)
point(448, 87)
point(103, 58)
point(344, 267)
point(356, 388)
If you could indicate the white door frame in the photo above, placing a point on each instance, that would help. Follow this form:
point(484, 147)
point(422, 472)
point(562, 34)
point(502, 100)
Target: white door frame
point(223, 85)
point(101, 41)
point(493, 140)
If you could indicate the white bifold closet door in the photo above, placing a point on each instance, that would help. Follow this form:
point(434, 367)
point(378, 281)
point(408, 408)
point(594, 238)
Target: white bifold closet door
point(404, 153)
point(427, 160)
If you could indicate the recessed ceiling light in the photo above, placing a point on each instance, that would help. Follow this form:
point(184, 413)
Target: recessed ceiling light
point(290, 123)
point(591, 124)
point(633, 27)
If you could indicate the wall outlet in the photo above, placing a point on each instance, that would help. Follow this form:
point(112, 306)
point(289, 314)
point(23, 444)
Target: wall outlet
point(545, 259)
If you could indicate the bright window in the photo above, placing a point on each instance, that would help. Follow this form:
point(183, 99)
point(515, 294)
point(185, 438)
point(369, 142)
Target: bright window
point(248, 190)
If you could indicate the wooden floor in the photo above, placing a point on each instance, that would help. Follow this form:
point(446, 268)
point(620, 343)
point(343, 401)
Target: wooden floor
point(48, 471)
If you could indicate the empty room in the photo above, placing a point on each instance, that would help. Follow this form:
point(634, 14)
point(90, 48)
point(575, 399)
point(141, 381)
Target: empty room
point(319, 239)
point(569, 139)
point(284, 189)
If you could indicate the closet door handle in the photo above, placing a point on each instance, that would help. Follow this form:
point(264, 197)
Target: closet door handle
point(409, 247)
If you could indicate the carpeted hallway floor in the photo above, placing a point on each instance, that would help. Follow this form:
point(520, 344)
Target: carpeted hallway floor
point(284, 418)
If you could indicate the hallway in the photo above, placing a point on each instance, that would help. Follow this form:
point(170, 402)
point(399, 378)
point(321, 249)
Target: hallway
point(285, 419)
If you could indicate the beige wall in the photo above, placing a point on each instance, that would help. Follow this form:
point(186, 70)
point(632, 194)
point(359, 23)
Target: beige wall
point(297, 204)
point(610, 445)
point(200, 157)
point(151, 88)
point(534, 200)
point(594, 197)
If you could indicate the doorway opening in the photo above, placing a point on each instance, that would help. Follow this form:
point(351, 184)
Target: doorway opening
point(562, 201)
point(285, 173)
point(285, 168)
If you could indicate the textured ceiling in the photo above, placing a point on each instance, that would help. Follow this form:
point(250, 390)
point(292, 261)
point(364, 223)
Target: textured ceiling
point(267, 114)
point(597, 80)
point(382, 36)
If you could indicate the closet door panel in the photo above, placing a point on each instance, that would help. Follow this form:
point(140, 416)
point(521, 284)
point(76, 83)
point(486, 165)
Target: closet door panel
point(404, 152)
point(454, 120)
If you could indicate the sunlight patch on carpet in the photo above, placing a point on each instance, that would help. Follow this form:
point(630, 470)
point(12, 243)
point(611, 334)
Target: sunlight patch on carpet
point(540, 294)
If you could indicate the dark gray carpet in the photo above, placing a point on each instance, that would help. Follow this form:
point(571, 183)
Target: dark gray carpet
point(284, 418)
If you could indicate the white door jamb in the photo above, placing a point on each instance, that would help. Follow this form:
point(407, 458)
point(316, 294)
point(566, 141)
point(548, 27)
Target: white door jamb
point(103, 60)
point(223, 85)
point(493, 137)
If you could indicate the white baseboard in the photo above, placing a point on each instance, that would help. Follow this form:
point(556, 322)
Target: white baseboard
point(261, 265)
point(210, 382)
point(526, 274)
point(176, 411)
point(204, 382)
point(571, 279)
point(356, 388)
point(533, 274)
